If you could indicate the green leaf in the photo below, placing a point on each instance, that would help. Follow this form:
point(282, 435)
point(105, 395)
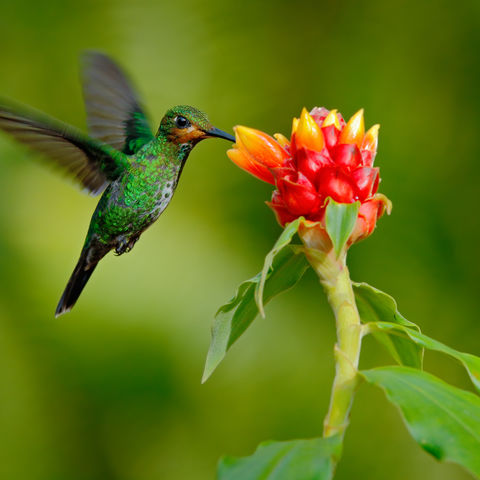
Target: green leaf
point(294, 460)
point(444, 420)
point(283, 240)
point(340, 221)
point(234, 317)
point(469, 361)
point(376, 306)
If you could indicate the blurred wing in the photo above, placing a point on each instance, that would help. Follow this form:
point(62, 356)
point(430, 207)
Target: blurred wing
point(85, 160)
point(114, 112)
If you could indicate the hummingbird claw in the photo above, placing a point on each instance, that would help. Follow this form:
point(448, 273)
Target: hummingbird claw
point(125, 245)
point(122, 246)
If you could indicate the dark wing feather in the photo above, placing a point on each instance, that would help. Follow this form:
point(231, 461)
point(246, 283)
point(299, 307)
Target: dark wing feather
point(90, 163)
point(114, 113)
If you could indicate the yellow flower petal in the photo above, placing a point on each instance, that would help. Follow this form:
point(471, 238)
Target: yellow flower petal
point(370, 142)
point(282, 140)
point(309, 134)
point(294, 125)
point(354, 130)
point(332, 119)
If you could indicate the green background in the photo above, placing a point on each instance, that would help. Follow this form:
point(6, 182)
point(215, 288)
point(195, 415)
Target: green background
point(112, 390)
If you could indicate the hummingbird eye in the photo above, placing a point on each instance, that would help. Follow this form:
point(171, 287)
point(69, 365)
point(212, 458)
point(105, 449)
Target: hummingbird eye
point(181, 122)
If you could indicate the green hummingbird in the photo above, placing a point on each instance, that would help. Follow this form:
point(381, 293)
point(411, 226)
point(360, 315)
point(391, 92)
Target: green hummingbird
point(136, 170)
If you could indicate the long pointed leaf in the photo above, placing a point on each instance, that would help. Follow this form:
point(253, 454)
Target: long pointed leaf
point(293, 460)
point(469, 361)
point(234, 317)
point(376, 306)
point(444, 420)
point(283, 240)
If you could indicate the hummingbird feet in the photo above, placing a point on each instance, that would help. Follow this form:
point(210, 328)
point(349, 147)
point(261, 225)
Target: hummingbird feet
point(124, 244)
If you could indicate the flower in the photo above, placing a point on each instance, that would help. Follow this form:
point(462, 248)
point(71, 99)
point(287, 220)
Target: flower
point(325, 158)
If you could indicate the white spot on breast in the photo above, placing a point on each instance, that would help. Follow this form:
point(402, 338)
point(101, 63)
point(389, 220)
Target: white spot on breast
point(164, 197)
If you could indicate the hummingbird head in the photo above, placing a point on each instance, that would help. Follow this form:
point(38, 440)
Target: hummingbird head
point(187, 125)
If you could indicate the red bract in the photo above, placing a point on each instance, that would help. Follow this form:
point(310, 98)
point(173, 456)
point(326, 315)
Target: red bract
point(296, 191)
point(324, 159)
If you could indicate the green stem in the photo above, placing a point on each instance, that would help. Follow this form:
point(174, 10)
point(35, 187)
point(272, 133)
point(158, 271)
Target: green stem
point(334, 276)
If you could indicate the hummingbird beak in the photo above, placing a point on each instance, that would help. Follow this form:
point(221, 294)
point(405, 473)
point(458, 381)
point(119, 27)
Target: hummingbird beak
point(216, 132)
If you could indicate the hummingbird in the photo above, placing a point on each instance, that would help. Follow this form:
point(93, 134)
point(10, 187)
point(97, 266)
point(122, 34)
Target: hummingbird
point(136, 170)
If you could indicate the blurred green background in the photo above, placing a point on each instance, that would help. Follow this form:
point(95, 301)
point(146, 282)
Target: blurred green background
point(112, 390)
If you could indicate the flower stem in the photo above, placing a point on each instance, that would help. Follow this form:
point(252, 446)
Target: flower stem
point(335, 278)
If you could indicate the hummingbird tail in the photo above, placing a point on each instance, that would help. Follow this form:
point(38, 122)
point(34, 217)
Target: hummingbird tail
point(87, 262)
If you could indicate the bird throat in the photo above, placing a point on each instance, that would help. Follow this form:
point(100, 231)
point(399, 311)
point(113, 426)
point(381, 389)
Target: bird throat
point(182, 136)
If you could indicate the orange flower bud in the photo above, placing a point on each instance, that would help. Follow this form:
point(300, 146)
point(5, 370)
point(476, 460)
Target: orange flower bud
point(332, 119)
point(309, 134)
point(243, 160)
point(262, 147)
point(354, 130)
point(370, 142)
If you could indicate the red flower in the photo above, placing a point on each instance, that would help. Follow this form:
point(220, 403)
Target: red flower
point(324, 159)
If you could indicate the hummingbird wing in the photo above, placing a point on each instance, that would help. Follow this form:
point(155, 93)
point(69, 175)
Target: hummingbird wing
point(114, 112)
point(93, 165)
